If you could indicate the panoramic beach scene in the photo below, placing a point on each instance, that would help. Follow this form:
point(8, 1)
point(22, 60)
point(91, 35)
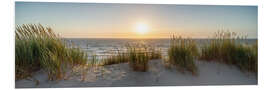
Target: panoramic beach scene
point(60, 45)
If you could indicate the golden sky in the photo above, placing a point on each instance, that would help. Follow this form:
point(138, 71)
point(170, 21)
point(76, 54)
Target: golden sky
point(96, 20)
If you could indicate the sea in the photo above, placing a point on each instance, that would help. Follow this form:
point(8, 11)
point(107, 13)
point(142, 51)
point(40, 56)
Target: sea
point(104, 47)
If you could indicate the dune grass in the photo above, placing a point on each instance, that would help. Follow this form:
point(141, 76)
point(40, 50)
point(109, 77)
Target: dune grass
point(119, 57)
point(138, 57)
point(226, 48)
point(136, 54)
point(38, 47)
point(182, 53)
point(116, 58)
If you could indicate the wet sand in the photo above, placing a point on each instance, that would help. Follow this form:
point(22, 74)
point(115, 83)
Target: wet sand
point(120, 75)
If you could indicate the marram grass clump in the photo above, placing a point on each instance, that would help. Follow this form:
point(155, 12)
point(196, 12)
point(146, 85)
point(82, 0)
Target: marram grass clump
point(119, 57)
point(138, 57)
point(39, 48)
point(226, 48)
point(136, 54)
point(182, 53)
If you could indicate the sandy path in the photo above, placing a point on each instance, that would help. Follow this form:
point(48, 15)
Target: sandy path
point(210, 73)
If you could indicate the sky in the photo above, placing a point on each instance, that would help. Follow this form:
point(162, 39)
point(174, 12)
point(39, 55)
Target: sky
point(105, 20)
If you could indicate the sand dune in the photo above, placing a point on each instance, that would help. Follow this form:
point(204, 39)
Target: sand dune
point(210, 73)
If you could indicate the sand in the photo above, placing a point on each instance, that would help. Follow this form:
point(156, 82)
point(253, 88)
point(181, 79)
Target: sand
point(120, 75)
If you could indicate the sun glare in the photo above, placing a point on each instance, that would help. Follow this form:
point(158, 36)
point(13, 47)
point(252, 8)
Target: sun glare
point(141, 28)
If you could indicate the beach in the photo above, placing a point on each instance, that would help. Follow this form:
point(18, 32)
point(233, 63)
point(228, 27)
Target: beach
point(121, 75)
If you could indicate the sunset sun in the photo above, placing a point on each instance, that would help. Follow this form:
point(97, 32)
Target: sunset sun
point(141, 28)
